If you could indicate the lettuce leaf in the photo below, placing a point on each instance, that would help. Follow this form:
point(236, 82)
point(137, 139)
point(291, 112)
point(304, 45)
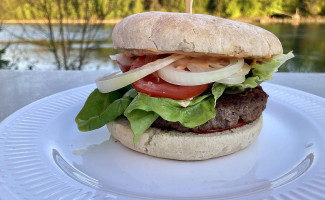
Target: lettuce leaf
point(260, 73)
point(101, 108)
point(144, 110)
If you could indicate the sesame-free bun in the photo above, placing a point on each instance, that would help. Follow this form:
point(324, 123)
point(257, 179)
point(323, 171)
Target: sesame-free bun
point(161, 32)
point(186, 146)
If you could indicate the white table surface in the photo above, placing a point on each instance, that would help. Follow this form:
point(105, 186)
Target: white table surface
point(20, 88)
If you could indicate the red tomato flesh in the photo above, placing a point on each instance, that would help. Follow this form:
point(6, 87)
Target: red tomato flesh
point(154, 86)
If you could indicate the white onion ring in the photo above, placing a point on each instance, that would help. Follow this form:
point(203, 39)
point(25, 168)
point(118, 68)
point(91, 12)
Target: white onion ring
point(237, 77)
point(122, 59)
point(116, 81)
point(181, 77)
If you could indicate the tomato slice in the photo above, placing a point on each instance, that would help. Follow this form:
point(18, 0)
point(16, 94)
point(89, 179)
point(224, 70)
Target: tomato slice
point(154, 86)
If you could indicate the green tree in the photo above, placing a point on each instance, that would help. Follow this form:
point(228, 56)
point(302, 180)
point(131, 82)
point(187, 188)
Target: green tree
point(154, 5)
point(233, 9)
point(243, 8)
point(251, 8)
point(313, 7)
point(289, 6)
point(272, 6)
point(173, 6)
point(136, 6)
point(20, 9)
point(208, 6)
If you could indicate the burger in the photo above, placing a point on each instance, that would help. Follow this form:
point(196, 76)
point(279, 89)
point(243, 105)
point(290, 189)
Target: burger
point(189, 86)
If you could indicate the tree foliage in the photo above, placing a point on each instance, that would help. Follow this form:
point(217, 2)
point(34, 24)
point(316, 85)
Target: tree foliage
point(28, 9)
point(313, 6)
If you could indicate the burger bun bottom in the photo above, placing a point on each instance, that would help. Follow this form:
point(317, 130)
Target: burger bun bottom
point(186, 146)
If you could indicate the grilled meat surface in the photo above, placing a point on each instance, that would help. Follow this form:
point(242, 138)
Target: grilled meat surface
point(230, 109)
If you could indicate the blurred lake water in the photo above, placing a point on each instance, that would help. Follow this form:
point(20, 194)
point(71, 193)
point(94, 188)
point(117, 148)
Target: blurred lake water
point(307, 41)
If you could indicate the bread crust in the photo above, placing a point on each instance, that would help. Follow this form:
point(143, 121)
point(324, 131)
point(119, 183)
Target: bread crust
point(160, 32)
point(186, 146)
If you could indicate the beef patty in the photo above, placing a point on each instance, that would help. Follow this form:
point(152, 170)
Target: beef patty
point(230, 109)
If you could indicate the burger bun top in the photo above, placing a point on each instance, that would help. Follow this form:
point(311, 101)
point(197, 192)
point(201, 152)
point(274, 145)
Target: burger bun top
point(165, 32)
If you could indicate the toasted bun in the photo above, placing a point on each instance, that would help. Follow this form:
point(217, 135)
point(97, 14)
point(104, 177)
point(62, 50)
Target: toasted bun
point(186, 146)
point(162, 32)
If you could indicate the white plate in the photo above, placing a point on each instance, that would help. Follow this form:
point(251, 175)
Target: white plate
point(44, 156)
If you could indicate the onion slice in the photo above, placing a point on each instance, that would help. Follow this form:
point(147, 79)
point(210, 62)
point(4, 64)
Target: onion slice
point(181, 77)
point(116, 81)
point(122, 59)
point(237, 77)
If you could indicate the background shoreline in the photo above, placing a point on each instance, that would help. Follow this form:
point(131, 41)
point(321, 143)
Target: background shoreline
point(262, 20)
point(68, 21)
